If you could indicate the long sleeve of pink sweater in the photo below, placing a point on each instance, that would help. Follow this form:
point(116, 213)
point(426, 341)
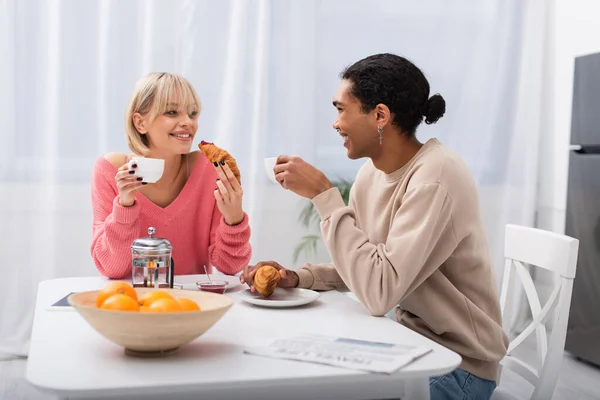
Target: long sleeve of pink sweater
point(192, 223)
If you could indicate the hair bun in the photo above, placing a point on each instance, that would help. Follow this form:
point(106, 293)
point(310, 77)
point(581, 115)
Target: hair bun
point(434, 109)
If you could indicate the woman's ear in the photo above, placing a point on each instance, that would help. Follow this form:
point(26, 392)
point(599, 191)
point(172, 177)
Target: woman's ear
point(382, 114)
point(140, 123)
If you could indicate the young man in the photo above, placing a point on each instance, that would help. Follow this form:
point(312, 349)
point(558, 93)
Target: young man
point(412, 236)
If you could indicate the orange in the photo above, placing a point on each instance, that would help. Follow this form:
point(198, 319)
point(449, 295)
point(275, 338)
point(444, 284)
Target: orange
point(112, 288)
point(150, 297)
point(164, 305)
point(120, 302)
point(187, 304)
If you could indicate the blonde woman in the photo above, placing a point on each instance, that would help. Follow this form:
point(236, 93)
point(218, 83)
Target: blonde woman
point(196, 205)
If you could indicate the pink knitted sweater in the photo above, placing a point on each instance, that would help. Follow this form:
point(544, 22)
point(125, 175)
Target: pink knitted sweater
point(192, 223)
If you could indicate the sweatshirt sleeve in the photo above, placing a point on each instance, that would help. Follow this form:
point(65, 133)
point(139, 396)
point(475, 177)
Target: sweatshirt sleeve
point(320, 277)
point(229, 249)
point(323, 276)
point(114, 227)
point(382, 274)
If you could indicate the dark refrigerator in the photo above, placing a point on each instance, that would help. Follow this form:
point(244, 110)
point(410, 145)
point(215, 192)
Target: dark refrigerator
point(583, 210)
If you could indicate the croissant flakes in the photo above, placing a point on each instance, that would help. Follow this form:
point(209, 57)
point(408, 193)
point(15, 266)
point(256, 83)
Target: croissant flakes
point(217, 154)
point(266, 279)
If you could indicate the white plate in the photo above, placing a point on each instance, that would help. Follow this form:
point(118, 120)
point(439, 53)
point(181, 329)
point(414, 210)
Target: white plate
point(281, 298)
point(188, 282)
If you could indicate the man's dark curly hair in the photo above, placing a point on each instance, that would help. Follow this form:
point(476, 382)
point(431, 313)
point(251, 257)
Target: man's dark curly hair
point(396, 82)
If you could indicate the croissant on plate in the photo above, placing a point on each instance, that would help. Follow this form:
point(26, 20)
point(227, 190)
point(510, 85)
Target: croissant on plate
point(217, 154)
point(266, 279)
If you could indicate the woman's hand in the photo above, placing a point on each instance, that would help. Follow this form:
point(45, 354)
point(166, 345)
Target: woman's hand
point(289, 279)
point(228, 194)
point(127, 184)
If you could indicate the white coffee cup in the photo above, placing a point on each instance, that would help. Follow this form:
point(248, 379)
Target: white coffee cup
point(149, 169)
point(269, 165)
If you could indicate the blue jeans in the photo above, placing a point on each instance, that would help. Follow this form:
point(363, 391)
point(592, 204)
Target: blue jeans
point(460, 385)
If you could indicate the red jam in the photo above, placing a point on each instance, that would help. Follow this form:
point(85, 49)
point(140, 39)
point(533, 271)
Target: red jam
point(213, 287)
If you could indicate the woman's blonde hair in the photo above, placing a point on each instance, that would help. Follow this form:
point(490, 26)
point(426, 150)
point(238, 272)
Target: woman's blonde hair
point(152, 96)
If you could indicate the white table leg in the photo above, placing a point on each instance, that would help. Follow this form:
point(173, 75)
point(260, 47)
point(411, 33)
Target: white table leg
point(417, 389)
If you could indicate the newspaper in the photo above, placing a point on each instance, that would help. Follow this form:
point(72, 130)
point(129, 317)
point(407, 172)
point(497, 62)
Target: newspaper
point(342, 352)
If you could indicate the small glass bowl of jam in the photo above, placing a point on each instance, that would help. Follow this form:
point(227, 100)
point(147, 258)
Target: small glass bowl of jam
point(213, 286)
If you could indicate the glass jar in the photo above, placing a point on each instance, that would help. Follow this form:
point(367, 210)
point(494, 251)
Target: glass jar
point(152, 262)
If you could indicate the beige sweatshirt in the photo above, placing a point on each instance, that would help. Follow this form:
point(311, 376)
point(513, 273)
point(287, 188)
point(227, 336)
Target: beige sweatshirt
point(413, 239)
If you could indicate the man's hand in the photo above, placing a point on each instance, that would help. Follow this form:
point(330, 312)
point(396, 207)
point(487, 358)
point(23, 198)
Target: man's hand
point(295, 174)
point(289, 279)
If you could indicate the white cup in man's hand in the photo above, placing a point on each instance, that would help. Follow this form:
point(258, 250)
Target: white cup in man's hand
point(149, 169)
point(269, 165)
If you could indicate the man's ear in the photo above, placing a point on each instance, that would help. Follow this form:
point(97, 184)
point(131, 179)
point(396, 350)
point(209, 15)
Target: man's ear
point(383, 114)
point(140, 123)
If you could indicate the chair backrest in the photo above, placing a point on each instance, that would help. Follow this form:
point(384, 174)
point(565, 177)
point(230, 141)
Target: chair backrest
point(525, 247)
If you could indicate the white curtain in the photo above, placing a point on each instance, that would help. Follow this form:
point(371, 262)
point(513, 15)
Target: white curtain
point(265, 71)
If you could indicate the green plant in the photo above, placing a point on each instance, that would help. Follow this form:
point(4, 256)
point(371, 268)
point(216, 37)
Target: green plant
point(310, 219)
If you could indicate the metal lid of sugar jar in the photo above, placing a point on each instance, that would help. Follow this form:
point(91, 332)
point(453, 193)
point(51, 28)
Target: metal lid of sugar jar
point(152, 245)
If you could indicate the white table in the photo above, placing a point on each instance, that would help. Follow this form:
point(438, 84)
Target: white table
point(69, 359)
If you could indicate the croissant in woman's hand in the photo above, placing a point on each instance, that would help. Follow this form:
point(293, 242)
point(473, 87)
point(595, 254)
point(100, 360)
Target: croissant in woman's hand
point(217, 154)
point(266, 279)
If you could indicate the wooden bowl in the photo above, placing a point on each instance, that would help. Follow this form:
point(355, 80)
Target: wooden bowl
point(152, 334)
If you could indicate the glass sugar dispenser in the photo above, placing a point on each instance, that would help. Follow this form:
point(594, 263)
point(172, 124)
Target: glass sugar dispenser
point(152, 262)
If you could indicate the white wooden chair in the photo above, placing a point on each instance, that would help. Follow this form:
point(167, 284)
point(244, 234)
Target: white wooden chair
point(556, 253)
